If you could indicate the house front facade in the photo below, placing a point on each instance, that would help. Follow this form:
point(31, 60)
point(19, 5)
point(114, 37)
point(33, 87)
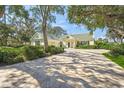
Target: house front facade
point(67, 41)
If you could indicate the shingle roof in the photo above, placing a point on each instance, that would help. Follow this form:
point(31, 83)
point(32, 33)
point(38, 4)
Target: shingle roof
point(79, 37)
point(83, 37)
point(39, 35)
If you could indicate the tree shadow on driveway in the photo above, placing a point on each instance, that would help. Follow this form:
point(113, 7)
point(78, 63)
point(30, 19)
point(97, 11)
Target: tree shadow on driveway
point(66, 70)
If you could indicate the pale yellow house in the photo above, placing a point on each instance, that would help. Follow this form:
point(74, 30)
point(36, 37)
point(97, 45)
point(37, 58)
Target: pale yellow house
point(68, 41)
point(37, 39)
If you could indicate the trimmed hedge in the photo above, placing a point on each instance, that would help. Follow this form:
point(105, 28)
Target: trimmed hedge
point(98, 45)
point(104, 45)
point(55, 50)
point(33, 52)
point(86, 47)
point(10, 55)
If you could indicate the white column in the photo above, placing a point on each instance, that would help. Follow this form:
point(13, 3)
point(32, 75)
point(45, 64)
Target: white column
point(91, 42)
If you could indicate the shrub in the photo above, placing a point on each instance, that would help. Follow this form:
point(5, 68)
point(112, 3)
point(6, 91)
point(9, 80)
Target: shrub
point(19, 58)
point(15, 46)
point(33, 52)
point(55, 50)
point(9, 55)
point(100, 44)
point(60, 49)
point(118, 50)
point(86, 46)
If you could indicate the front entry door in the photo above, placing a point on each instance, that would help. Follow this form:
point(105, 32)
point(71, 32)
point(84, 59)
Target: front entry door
point(68, 44)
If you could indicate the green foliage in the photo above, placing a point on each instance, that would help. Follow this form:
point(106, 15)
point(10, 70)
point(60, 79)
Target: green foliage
point(11, 55)
point(86, 47)
point(118, 50)
point(6, 31)
point(45, 15)
point(116, 54)
point(57, 31)
point(1, 10)
point(93, 17)
point(101, 44)
point(55, 50)
point(117, 59)
point(16, 25)
point(33, 52)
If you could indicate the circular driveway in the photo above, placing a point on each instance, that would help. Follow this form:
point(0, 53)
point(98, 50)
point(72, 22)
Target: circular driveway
point(75, 68)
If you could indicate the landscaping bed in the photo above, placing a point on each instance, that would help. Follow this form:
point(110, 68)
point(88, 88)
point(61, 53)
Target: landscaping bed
point(11, 55)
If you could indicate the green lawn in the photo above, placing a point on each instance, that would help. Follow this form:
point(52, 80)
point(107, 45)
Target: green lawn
point(117, 59)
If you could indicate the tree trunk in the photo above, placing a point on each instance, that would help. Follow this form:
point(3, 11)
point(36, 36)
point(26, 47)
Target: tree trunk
point(114, 40)
point(5, 15)
point(45, 36)
point(5, 42)
point(1, 11)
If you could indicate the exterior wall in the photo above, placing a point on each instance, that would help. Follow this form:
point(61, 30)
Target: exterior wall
point(65, 43)
point(72, 44)
point(69, 42)
point(33, 43)
point(91, 42)
point(67, 39)
point(54, 42)
point(50, 42)
point(41, 43)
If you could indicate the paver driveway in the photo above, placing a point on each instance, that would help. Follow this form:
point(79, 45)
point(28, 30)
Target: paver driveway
point(74, 68)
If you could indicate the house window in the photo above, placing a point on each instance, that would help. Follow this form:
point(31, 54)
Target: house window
point(84, 42)
point(37, 43)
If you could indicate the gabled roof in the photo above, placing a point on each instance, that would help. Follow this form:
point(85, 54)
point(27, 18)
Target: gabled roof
point(66, 37)
point(83, 37)
point(79, 37)
point(39, 35)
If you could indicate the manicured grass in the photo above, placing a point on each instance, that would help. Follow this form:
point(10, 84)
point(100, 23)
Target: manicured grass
point(117, 59)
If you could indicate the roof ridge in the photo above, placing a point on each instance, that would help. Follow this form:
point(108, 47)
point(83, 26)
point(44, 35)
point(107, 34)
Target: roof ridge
point(80, 34)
